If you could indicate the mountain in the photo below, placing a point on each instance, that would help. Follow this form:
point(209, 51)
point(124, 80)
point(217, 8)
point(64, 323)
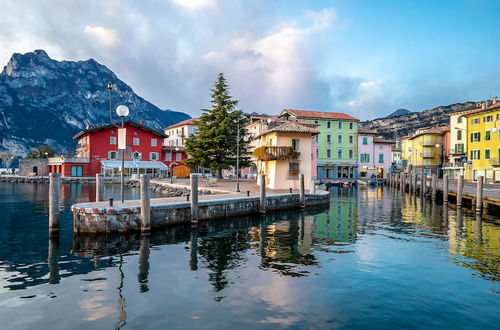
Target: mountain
point(44, 101)
point(395, 127)
point(399, 112)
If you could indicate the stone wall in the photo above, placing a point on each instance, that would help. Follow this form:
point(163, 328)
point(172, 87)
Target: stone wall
point(28, 166)
point(121, 219)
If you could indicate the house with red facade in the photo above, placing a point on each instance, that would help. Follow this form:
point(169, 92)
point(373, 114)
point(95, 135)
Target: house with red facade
point(97, 152)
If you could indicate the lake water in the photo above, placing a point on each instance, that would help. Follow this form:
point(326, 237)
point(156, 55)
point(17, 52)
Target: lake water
point(373, 259)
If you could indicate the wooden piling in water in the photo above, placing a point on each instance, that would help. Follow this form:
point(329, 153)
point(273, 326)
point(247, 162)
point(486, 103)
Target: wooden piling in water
point(194, 198)
point(263, 193)
point(302, 191)
point(54, 196)
point(460, 187)
point(415, 182)
point(479, 194)
point(434, 186)
point(145, 203)
point(445, 188)
point(99, 191)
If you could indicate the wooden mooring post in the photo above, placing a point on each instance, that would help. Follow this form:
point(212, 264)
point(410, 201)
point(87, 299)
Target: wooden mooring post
point(479, 194)
point(54, 196)
point(145, 203)
point(415, 182)
point(194, 199)
point(460, 188)
point(302, 191)
point(434, 186)
point(99, 191)
point(445, 188)
point(423, 184)
point(263, 193)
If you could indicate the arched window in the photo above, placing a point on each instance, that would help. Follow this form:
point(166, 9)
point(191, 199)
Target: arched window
point(339, 138)
point(112, 155)
point(339, 153)
point(136, 155)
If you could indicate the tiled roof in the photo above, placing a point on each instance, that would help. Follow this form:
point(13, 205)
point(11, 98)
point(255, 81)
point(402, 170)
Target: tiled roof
point(431, 130)
point(363, 131)
point(118, 125)
point(381, 140)
point(191, 121)
point(320, 114)
point(291, 127)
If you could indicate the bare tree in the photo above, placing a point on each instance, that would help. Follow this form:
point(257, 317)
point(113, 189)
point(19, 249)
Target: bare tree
point(7, 158)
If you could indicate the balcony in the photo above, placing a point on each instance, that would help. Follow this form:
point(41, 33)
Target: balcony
point(429, 142)
point(428, 154)
point(62, 159)
point(495, 162)
point(275, 153)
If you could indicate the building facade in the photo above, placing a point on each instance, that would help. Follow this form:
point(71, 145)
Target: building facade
point(175, 143)
point(483, 142)
point(457, 159)
point(422, 152)
point(374, 155)
point(337, 142)
point(97, 152)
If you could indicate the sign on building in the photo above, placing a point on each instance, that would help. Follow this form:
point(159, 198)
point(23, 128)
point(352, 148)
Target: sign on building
point(122, 138)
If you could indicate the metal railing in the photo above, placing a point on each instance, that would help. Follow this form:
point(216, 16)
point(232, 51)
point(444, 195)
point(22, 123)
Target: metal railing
point(62, 159)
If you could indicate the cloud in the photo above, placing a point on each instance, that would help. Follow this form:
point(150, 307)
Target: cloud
point(195, 4)
point(105, 37)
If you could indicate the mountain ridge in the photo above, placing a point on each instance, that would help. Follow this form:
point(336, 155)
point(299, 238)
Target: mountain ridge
point(44, 101)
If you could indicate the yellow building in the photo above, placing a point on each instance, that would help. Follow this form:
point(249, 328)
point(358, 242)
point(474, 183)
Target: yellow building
point(422, 152)
point(282, 151)
point(483, 141)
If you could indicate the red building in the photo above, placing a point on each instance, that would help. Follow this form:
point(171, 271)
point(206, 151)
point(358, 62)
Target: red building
point(97, 152)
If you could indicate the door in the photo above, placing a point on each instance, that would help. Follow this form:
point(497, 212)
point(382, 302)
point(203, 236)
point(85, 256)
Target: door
point(77, 170)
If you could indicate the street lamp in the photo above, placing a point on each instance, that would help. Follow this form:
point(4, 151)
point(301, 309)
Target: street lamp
point(122, 111)
point(172, 162)
point(245, 138)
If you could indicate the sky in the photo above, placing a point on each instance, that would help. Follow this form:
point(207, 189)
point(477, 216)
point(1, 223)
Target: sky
point(366, 58)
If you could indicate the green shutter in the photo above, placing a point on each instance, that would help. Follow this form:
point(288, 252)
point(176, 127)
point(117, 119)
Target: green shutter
point(487, 154)
point(478, 136)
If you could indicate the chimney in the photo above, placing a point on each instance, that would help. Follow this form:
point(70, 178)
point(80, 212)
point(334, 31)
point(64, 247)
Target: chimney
point(494, 100)
point(88, 127)
point(487, 103)
point(483, 105)
point(141, 122)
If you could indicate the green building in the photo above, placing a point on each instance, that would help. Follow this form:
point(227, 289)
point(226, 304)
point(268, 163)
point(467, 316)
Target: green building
point(336, 145)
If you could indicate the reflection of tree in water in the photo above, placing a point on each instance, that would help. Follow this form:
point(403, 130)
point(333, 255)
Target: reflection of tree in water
point(285, 250)
point(222, 253)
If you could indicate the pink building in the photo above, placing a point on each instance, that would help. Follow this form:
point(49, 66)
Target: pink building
point(374, 155)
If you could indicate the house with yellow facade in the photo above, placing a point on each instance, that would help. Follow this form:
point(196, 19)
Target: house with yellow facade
point(483, 141)
point(283, 149)
point(423, 151)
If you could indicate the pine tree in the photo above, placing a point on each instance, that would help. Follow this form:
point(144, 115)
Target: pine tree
point(214, 145)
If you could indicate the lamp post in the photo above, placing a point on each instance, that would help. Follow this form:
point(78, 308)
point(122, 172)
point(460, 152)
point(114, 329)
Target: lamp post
point(441, 157)
point(123, 112)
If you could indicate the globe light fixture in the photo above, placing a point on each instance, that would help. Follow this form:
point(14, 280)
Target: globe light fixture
point(437, 145)
point(122, 110)
point(494, 129)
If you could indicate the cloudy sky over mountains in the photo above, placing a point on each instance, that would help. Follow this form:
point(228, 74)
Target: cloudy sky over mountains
point(366, 58)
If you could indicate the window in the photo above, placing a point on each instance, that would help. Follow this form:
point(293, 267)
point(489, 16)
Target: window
point(154, 142)
point(136, 133)
point(328, 153)
point(351, 139)
point(328, 138)
point(136, 155)
point(77, 170)
point(475, 154)
point(475, 137)
point(178, 156)
point(365, 158)
point(113, 131)
point(476, 121)
point(293, 169)
point(339, 153)
point(459, 134)
point(365, 140)
point(316, 122)
point(340, 125)
point(351, 153)
point(459, 119)
point(317, 152)
point(351, 125)
point(112, 155)
point(459, 148)
point(328, 124)
point(380, 158)
point(487, 153)
point(339, 138)
point(487, 135)
point(112, 140)
point(153, 156)
point(167, 157)
point(135, 141)
point(488, 118)
point(295, 144)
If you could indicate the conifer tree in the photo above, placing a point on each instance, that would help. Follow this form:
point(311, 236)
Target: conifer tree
point(214, 145)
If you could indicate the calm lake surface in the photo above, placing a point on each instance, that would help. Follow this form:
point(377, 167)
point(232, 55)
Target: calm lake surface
point(373, 259)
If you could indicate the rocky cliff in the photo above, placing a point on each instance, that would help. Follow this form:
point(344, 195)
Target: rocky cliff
point(398, 126)
point(44, 101)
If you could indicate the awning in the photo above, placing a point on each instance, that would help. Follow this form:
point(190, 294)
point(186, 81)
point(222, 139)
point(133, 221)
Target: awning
point(110, 164)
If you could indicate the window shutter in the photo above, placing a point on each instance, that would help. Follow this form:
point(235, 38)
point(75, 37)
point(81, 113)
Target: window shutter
point(478, 136)
point(471, 137)
point(479, 154)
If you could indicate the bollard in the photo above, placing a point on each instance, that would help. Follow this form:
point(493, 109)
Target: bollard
point(460, 187)
point(187, 198)
point(54, 194)
point(145, 203)
point(98, 187)
point(479, 194)
point(194, 198)
point(263, 193)
point(445, 188)
point(291, 190)
point(111, 201)
point(248, 193)
point(434, 186)
point(302, 191)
